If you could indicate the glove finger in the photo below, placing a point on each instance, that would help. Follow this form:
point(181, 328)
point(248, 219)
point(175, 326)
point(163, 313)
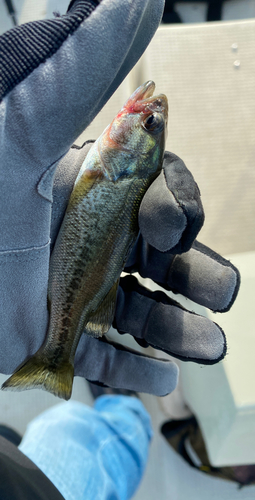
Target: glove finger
point(171, 212)
point(167, 326)
point(119, 367)
point(201, 275)
point(205, 277)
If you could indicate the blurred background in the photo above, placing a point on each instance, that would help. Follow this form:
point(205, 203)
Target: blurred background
point(203, 58)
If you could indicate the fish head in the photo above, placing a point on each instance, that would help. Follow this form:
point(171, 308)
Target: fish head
point(137, 134)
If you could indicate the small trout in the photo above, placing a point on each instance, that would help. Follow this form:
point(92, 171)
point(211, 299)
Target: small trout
point(98, 231)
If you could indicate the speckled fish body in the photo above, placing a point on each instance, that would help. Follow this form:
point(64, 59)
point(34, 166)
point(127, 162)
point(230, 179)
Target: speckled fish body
point(99, 229)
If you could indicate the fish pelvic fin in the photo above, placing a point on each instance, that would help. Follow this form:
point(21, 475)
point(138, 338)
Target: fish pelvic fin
point(101, 319)
point(37, 373)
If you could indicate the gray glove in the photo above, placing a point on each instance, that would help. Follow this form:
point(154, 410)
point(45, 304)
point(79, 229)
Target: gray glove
point(56, 76)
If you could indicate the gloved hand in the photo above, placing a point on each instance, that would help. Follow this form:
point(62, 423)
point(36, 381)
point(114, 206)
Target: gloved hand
point(170, 217)
point(55, 79)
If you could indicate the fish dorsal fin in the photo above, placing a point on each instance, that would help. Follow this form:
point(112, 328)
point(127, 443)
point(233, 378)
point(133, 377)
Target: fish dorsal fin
point(101, 319)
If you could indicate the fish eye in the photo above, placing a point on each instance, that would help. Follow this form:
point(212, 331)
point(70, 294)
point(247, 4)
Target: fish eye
point(154, 123)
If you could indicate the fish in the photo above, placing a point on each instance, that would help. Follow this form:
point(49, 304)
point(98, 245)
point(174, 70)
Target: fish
point(99, 229)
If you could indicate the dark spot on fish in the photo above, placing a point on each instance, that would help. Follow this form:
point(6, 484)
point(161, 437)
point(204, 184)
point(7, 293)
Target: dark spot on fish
point(66, 321)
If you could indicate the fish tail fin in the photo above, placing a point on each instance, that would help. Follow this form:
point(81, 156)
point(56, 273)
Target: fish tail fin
point(40, 373)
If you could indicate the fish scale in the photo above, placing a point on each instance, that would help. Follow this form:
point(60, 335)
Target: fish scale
point(97, 233)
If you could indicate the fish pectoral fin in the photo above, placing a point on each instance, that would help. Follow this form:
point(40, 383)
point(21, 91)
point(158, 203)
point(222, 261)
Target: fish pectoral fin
point(101, 319)
point(86, 179)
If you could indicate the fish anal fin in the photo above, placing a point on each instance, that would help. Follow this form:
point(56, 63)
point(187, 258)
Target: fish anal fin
point(101, 319)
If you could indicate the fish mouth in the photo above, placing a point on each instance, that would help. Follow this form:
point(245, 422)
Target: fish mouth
point(143, 101)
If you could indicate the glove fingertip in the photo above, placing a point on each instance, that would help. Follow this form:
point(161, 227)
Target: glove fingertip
point(232, 278)
point(162, 221)
point(169, 384)
point(185, 190)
